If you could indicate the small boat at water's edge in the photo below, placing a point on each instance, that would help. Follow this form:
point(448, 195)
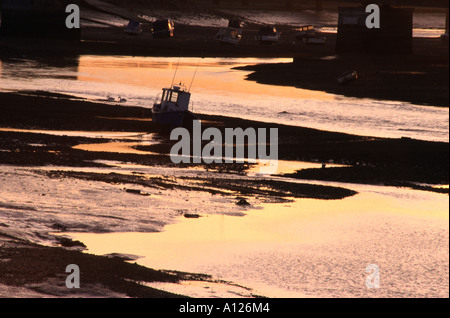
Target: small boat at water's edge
point(268, 35)
point(228, 35)
point(173, 108)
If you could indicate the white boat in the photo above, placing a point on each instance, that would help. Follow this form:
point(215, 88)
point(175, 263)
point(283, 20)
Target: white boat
point(228, 35)
point(268, 35)
point(173, 108)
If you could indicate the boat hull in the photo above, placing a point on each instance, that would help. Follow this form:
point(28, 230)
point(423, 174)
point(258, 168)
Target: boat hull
point(173, 119)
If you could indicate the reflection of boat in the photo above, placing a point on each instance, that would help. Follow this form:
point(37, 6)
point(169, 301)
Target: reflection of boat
point(347, 77)
point(133, 28)
point(268, 34)
point(228, 35)
point(173, 108)
point(304, 31)
point(163, 29)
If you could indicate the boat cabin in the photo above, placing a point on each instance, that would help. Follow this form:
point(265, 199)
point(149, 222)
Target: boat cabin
point(163, 28)
point(228, 35)
point(267, 31)
point(268, 34)
point(174, 99)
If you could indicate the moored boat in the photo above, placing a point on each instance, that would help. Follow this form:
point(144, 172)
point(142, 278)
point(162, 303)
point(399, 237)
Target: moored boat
point(163, 29)
point(173, 108)
point(304, 31)
point(228, 35)
point(268, 35)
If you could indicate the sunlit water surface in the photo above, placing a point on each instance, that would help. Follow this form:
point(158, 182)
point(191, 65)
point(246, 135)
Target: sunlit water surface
point(308, 248)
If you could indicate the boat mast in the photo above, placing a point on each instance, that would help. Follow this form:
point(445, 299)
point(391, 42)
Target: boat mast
point(176, 70)
point(195, 73)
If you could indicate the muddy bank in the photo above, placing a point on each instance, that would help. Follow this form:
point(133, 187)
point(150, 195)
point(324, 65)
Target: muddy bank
point(390, 160)
point(420, 78)
point(39, 271)
point(264, 190)
point(188, 41)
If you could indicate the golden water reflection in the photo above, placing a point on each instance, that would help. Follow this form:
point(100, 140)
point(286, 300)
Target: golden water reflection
point(153, 72)
point(385, 227)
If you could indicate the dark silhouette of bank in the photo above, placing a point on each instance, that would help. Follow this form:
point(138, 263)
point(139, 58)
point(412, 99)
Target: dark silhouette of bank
point(37, 19)
point(394, 36)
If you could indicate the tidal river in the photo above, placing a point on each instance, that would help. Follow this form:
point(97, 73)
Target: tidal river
point(304, 248)
point(220, 89)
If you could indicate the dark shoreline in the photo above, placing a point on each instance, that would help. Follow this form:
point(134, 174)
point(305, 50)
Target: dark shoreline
point(421, 78)
point(393, 160)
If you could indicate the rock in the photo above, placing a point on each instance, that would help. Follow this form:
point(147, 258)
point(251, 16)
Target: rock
point(134, 191)
point(242, 202)
point(191, 215)
point(59, 227)
point(67, 242)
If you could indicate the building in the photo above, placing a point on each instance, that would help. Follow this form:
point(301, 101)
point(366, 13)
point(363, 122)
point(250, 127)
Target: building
point(37, 19)
point(393, 37)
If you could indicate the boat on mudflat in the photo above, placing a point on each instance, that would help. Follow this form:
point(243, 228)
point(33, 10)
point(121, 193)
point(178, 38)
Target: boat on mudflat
point(173, 107)
point(229, 35)
point(304, 31)
point(268, 35)
point(163, 29)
